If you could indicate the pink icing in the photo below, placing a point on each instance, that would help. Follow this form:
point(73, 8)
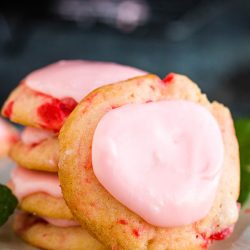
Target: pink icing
point(61, 223)
point(77, 78)
point(27, 182)
point(7, 132)
point(160, 159)
point(34, 135)
point(8, 136)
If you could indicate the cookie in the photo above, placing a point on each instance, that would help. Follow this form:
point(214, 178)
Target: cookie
point(47, 96)
point(112, 222)
point(39, 233)
point(42, 156)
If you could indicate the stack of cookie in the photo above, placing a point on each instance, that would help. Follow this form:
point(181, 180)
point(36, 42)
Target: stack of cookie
point(143, 163)
point(42, 103)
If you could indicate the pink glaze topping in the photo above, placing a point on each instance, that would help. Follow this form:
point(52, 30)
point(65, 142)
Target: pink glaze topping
point(7, 132)
point(77, 78)
point(34, 135)
point(61, 223)
point(8, 136)
point(27, 182)
point(160, 159)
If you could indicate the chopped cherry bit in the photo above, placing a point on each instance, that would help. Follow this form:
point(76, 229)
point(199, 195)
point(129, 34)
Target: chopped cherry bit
point(54, 112)
point(8, 109)
point(136, 233)
point(225, 233)
point(222, 235)
point(123, 222)
point(169, 78)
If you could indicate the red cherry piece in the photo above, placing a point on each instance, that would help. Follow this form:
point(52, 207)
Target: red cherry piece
point(123, 222)
point(136, 233)
point(8, 110)
point(225, 233)
point(54, 112)
point(169, 78)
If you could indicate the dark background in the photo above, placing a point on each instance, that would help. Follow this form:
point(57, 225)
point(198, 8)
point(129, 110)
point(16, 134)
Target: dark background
point(207, 40)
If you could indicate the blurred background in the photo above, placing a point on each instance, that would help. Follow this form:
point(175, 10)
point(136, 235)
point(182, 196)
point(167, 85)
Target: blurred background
point(208, 40)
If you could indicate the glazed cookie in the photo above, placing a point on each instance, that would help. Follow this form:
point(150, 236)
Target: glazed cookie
point(37, 150)
point(42, 234)
point(113, 203)
point(47, 96)
point(8, 136)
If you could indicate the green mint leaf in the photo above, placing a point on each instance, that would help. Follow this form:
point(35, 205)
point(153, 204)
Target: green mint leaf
point(242, 127)
point(8, 203)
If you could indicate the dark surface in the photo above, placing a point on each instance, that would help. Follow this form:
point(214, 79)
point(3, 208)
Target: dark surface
point(207, 40)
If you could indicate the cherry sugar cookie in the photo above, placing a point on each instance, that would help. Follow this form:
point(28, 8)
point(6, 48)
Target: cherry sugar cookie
point(151, 164)
point(37, 149)
point(46, 97)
